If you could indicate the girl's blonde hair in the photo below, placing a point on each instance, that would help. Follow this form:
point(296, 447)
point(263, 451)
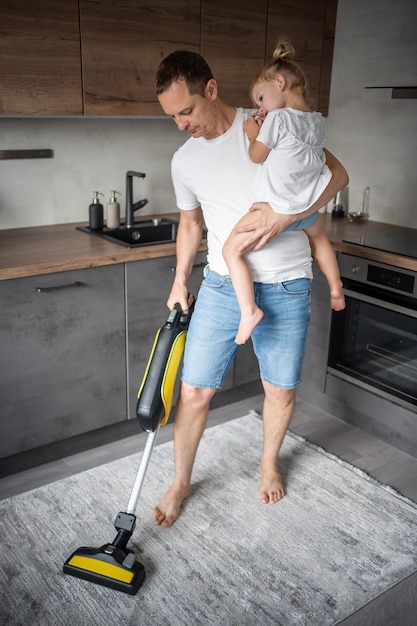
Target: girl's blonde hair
point(283, 62)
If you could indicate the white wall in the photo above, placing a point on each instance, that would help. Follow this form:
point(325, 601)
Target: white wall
point(375, 137)
point(89, 155)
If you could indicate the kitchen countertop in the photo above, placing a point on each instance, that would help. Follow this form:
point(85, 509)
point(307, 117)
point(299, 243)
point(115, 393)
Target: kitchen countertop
point(58, 248)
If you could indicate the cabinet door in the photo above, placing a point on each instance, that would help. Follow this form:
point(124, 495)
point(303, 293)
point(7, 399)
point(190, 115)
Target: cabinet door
point(233, 43)
point(246, 368)
point(63, 356)
point(309, 25)
point(315, 360)
point(122, 45)
point(148, 285)
point(40, 65)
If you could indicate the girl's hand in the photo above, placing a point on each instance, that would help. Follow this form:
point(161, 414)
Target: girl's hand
point(259, 116)
point(251, 128)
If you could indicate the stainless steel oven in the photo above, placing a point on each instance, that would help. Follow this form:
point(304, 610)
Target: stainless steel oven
point(373, 342)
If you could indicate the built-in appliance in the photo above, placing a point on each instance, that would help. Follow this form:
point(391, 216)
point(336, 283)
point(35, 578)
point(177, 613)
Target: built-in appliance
point(402, 241)
point(373, 342)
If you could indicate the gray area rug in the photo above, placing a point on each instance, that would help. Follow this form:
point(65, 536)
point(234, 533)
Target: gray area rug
point(333, 543)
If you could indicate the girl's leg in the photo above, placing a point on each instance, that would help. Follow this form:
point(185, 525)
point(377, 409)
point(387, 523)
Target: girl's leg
point(242, 282)
point(325, 257)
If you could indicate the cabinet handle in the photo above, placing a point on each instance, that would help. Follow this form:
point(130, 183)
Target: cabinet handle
point(203, 264)
point(76, 283)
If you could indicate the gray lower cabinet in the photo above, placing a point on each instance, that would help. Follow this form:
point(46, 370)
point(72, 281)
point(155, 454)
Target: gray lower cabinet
point(313, 376)
point(246, 369)
point(62, 363)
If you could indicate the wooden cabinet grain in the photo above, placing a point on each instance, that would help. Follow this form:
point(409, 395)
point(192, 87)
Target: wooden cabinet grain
point(62, 364)
point(233, 37)
point(47, 47)
point(122, 45)
point(40, 67)
point(309, 25)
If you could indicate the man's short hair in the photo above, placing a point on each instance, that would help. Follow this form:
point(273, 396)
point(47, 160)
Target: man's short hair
point(185, 65)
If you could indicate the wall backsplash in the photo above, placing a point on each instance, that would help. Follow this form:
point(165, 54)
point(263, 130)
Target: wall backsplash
point(373, 135)
point(89, 155)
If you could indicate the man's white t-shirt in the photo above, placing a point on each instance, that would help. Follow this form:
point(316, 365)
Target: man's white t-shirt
point(295, 173)
point(218, 175)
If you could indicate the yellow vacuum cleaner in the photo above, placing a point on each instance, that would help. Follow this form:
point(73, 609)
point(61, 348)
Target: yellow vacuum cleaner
point(113, 564)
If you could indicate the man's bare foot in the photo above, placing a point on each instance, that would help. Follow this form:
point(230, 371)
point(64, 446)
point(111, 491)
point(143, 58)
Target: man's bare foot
point(272, 489)
point(248, 321)
point(168, 510)
point(337, 299)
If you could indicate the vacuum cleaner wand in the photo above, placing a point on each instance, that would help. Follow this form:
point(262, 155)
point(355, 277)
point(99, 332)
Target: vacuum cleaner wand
point(113, 564)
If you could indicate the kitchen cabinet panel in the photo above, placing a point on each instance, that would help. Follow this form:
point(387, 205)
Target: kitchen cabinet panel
point(313, 376)
point(40, 66)
point(246, 368)
point(63, 356)
point(99, 57)
point(233, 44)
point(122, 45)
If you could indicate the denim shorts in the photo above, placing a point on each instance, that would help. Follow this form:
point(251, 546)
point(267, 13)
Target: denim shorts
point(303, 223)
point(278, 340)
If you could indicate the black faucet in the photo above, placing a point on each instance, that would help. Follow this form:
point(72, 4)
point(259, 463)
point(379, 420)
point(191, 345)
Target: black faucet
point(130, 207)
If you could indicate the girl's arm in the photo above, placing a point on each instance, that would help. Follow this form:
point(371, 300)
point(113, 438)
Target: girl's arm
point(257, 151)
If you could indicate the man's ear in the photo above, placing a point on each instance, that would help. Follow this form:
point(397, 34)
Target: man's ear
point(211, 89)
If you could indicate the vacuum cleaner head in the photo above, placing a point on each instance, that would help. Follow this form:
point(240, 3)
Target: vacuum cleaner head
point(107, 566)
point(111, 565)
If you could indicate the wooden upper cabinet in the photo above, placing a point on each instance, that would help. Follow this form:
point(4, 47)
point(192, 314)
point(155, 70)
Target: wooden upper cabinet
point(122, 44)
point(233, 35)
point(309, 25)
point(40, 68)
point(99, 57)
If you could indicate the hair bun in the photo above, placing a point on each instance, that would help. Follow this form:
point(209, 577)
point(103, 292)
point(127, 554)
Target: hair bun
point(283, 50)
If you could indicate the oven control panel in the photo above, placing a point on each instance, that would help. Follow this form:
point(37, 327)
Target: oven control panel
point(378, 274)
point(390, 278)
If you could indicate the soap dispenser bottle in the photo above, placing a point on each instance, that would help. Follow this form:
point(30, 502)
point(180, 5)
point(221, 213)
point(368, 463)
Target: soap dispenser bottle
point(113, 211)
point(95, 212)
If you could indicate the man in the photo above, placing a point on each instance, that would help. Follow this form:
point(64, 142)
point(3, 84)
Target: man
point(212, 176)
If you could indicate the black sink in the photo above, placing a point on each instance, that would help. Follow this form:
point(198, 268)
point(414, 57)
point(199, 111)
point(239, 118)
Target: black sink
point(146, 233)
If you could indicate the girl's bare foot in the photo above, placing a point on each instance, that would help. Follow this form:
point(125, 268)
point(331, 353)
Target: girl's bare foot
point(272, 489)
point(248, 321)
point(168, 510)
point(337, 299)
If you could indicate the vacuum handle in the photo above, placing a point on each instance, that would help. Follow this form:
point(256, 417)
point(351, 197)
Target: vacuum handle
point(155, 395)
point(178, 318)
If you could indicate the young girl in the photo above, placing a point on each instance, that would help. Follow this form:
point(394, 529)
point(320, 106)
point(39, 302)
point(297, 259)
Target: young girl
point(287, 138)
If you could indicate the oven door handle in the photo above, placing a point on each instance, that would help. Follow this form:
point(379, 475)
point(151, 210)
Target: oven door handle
point(386, 305)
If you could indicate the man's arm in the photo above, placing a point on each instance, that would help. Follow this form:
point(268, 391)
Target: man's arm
point(190, 232)
point(270, 224)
